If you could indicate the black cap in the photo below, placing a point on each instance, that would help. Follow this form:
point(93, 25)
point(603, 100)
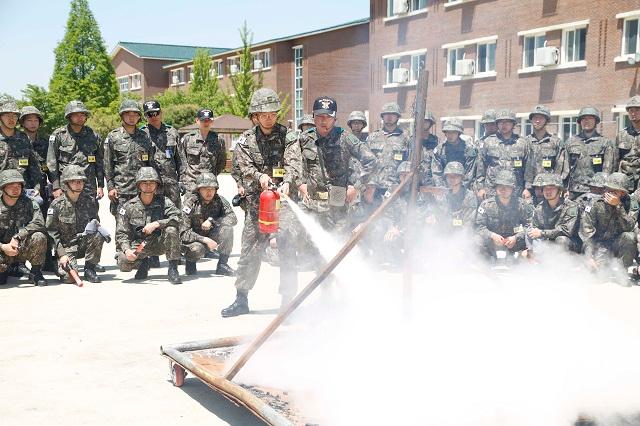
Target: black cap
point(205, 114)
point(325, 105)
point(151, 106)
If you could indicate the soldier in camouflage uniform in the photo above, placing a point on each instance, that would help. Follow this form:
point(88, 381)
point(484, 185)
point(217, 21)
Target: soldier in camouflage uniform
point(502, 220)
point(126, 150)
point(201, 151)
point(555, 218)
point(503, 151)
point(67, 219)
point(546, 154)
point(429, 140)
point(22, 232)
point(628, 143)
point(589, 153)
point(207, 224)
point(489, 127)
point(165, 139)
point(596, 189)
point(607, 227)
point(537, 195)
point(268, 155)
point(306, 123)
point(150, 219)
point(356, 122)
point(453, 148)
point(454, 209)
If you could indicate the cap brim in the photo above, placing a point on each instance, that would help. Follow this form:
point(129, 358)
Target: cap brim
point(324, 112)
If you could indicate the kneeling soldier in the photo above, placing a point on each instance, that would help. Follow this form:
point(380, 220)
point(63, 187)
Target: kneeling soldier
point(67, 219)
point(207, 224)
point(147, 225)
point(22, 231)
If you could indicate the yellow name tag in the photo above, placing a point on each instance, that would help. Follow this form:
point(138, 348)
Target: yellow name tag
point(277, 204)
point(278, 172)
point(145, 157)
point(517, 163)
point(597, 160)
point(323, 195)
point(23, 161)
point(517, 229)
point(546, 163)
point(91, 158)
point(457, 222)
point(44, 168)
point(397, 157)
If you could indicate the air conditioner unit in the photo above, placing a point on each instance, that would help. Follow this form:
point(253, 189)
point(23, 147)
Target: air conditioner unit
point(400, 75)
point(257, 64)
point(465, 67)
point(546, 56)
point(400, 7)
point(174, 79)
point(233, 69)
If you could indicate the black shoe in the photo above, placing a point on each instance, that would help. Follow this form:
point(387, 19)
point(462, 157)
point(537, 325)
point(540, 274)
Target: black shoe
point(90, 273)
point(23, 270)
point(50, 264)
point(154, 261)
point(239, 307)
point(13, 271)
point(98, 268)
point(143, 270)
point(36, 276)
point(225, 269)
point(174, 275)
point(3, 277)
point(212, 254)
point(190, 268)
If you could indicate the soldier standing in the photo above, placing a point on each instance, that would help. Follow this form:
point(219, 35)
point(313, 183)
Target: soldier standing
point(201, 151)
point(356, 122)
point(22, 231)
point(147, 225)
point(489, 127)
point(453, 149)
point(207, 225)
point(589, 153)
point(67, 219)
point(628, 142)
point(306, 123)
point(166, 160)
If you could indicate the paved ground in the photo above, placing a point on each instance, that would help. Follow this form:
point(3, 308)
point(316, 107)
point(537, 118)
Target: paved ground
point(91, 355)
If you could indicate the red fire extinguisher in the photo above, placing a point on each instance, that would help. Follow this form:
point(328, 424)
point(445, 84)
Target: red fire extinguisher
point(269, 214)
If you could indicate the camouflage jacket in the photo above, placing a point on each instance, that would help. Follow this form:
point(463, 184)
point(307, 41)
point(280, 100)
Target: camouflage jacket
point(16, 153)
point(390, 149)
point(585, 201)
point(198, 156)
point(510, 220)
point(83, 149)
point(555, 222)
point(603, 223)
point(166, 158)
point(628, 143)
point(195, 212)
point(236, 174)
point(447, 152)
point(40, 146)
point(134, 215)
point(627, 139)
point(20, 220)
point(498, 154)
point(545, 155)
point(455, 211)
point(587, 156)
point(124, 154)
point(66, 219)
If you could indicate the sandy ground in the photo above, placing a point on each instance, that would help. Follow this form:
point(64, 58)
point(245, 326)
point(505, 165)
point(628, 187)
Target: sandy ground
point(91, 355)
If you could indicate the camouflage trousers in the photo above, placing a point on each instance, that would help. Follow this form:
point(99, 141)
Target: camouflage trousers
point(624, 247)
point(489, 248)
point(168, 243)
point(122, 198)
point(223, 235)
point(171, 190)
point(89, 247)
point(32, 250)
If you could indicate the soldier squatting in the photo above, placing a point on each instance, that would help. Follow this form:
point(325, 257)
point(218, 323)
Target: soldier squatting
point(505, 189)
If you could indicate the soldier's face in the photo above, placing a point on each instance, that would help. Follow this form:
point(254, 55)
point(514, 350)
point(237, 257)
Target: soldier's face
point(78, 118)
point(451, 136)
point(31, 123)
point(130, 118)
point(154, 118)
point(538, 121)
point(13, 190)
point(550, 192)
point(617, 193)
point(506, 126)
point(490, 128)
point(634, 114)
point(207, 194)
point(453, 180)
point(504, 191)
point(357, 126)
point(426, 126)
point(390, 119)
point(254, 119)
point(267, 119)
point(148, 186)
point(76, 185)
point(324, 123)
point(9, 119)
point(588, 123)
point(305, 127)
point(204, 124)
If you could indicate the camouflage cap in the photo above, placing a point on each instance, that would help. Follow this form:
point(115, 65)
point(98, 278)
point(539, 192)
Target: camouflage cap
point(589, 111)
point(356, 116)
point(28, 110)
point(264, 100)
point(598, 180)
point(9, 107)
point(72, 172)
point(506, 178)
point(207, 180)
point(146, 174)
point(10, 176)
point(404, 167)
point(306, 119)
point(75, 106)
point(537, 181)
point(541, 110)
point(129, 105)
point(454, 168)
point(618, 181)
point(390, 108)
point(552, 179)
point(489, 116)
point(428, 116)
point(633, 103)
point(506, 114)
point(453, 125)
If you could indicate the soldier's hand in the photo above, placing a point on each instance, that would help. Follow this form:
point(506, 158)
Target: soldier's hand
point(99, 193)
point(497, 239)
point(130, 255)
point(206, 225)
point(212, 245)
point(57, 192)
point(304, 191)
point(391, 234)
point(264, 181)
point(64, 261)
point(150, 227)
point(526, 194)
point(284, 189)
point(9, 249)
point(369, 193)
point(592, 265)
point(482, 194)
point(534, 233)
point(351, 193)
point(273, 243)
point(113, 195)
point(611, 199)
point(510, 242)
point(241, 190)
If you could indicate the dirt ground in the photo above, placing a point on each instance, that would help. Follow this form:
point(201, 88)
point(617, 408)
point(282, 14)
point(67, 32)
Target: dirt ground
point(91, 355)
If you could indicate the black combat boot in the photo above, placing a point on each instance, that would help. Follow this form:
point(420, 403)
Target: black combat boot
point(190, 268)
point(143, 270)
point(154, 261)
point(174, 275)
point(224, 268)
point(50, 264)
point(14, 271)
point(98, 268)
point(3, 277)
point(90, 273)
point(36, 276)
point(239, 307)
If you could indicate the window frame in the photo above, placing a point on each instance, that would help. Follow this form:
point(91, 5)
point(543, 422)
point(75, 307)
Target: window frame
point(137, 77)
point(179, 72)
point(298, 80)
point(488, 49)
point(217, 68)
point(564, 48)
point(535, 38)
point(414, 9)
point(231, 60)
point(265, 56)
point(124, 80)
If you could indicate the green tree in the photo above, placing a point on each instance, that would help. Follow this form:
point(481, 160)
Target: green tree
point(82, 67)
point(204, 89)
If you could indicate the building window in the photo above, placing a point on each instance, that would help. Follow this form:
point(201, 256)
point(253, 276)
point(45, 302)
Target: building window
point(568, 127)
point(405, 6)
point(526, 128)
point(486, 58)
point(190, 70)
point(261, 59)
point(454, 56)
point(574, 45)
point(233, 65)
point(630, 41)
point(530, 45)
point(217, 69)
point(136, 81)
point(417, 63)
point(177, 76)
point(123, 82)
point(298, 91)
point(390, 65)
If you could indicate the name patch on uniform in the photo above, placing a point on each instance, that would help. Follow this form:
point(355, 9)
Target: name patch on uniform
point(50, 211)
point(517, 163)
point(44, 168)
point(91, 158)
point(145, 157)
point(546, 163)
point(518, 228)
point(457, 222)
point(587, 209)
point(23, 161)
point(187, 210)
point(597, 160)
point(122, 211)
point(397, 157)
point(52, 138)
point(278, 172)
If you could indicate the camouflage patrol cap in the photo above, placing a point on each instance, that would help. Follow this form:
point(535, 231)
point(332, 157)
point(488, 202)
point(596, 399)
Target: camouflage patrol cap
point(356, 116)
point(75, 106)
point(28, 110)
point(72, 172)
point(390, 108)
point(129, 105)
point(506, 114)
point(146, 174)
point(551, 179)
point(454, 168)
point(404, 167)
point(589, 110)
point(264, 100)
point(537, 181)
point(506, 178)
point(633, 103)
point(541, 110)
point(489, 116)
point(598, 180)
point(618, 181)
point(306, 119)
point(207, 180)
point(10, 176)
point(9, 107)
point(453, 125)
point(428, 116)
